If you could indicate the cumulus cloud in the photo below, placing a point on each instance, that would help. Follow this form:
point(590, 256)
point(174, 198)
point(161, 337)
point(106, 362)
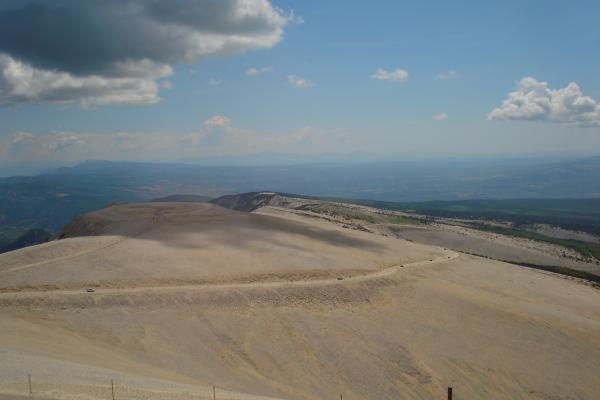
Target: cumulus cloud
point(22, 83)
point(114, 51)
point(63, 140)
point(258, 71)
point(397, 75)
point(125, 141)
point(24, 145)
point(217, 131)
point(535, 100)
point(217, 135)
point(15, 143)
point(440, 116)
point(447, 75)
point(220, 136)
point(298, 82)
point(215, 82)
point(20, 137)
point(217, 121)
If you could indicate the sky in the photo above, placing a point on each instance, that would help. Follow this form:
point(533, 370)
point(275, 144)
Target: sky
point(202, 80)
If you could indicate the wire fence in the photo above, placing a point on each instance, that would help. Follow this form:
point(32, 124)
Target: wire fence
point(113, 390)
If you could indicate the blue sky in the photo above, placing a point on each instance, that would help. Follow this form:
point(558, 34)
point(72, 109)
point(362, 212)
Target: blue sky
point(460, 61)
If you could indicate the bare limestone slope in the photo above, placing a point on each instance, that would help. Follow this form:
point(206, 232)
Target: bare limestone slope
point(158, 244)
point(283, 305)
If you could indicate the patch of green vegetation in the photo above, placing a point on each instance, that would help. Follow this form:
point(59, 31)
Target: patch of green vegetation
point(399, 219)
point(593, 278)
point(458, 208)
point(564, 271)
point(572, 214)
point(334, 211)
point(351, 214)
point(397, 230)
point(354, 215)
point(365, 217)
point(589, 250)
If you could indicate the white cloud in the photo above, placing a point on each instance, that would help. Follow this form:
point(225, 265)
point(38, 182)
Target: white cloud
point(24, 145)
point(298, 82)
point(15, 143)
point(218, 132)
point(293, 18)
point(447, 75)
point(259, 71)
point(220, 136)
point(535, 100)
point(440, 116)
point(126, 141)
point(63, 140)
point(217, 121)
point(215, 82)
point(69, 61)
point(217, 135)
point(20, 137)
point(22, 83)
point(397, 75)
point(7, 142)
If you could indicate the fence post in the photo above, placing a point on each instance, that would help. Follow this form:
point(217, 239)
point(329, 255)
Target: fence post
point(29, 379)
point(341, 396)
point(112, 389)
point(449, 393)
point(214, 393)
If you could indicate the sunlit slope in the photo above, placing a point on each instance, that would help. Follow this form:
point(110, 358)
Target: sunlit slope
point(188, 300)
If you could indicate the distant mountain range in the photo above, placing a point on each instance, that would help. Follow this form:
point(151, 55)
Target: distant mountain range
point(50, 200)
